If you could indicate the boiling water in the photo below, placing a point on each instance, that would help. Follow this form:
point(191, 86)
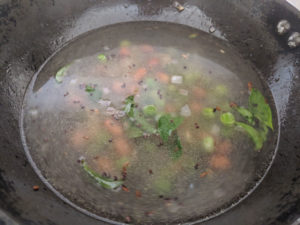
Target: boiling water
point(78, 118)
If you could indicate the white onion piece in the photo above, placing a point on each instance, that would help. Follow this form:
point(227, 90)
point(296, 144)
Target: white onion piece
point(185, 111)
point(104, 103)
point(176, 80)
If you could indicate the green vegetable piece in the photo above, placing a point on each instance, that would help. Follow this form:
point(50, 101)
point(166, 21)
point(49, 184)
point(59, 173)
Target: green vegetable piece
point(246, 114)
point(125, 43)
point(102, 57)
point(259, 108)
point(208, 112)
point(167, 124)
point(257, 137)
point(61, 73)
point(194, 35)
point(227, 119)
point(129, 106)
point(221, 90)
point(104, 182)
point(208, 144)
point(149, 110)
point(89, 88)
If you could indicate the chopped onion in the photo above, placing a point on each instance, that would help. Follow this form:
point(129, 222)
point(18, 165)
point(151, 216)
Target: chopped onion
point(185, 111)
point(120, 113)
point(176, 80)
point(110, 110)
point(104, 103)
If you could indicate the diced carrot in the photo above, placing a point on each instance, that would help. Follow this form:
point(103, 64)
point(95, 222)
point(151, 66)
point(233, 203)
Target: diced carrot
point(196, 107)
point(104, 164)
point(224, 148)
point(35, 187)
point(138, 194)
point(219, 162)
point(113, 127)
point(250, 86)
point(218, 108)
point(199, 92)
point(122, 147)
point(117, 87)
point(147, 48)
point(124, 188)
point(124, 51)
point(204, 174)
point(163, 78)
point(232, 104)
point(153, 62)
point(139, 74)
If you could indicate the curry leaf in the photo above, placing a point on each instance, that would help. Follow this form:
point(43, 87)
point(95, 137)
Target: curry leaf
point(257, 137)
point(61, 73)
point(259, 108)
point(104, 182)
point(135, 115)
point(168, 124)
point(227, 119)
point(129, 106)
point(144, 124)
point(246, 114)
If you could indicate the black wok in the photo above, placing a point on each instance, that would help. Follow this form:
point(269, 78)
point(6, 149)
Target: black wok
point(31, 30)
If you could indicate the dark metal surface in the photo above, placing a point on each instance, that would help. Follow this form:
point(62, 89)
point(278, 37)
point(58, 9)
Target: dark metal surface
point(31, 30)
